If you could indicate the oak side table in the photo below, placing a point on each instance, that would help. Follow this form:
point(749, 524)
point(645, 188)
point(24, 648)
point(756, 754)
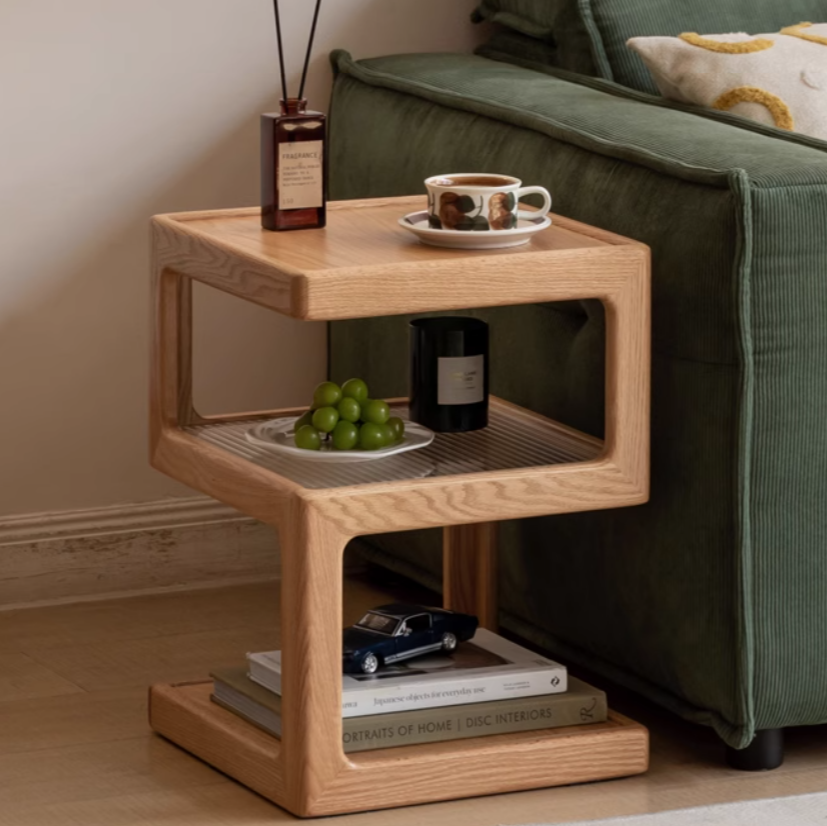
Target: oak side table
point(363, 264)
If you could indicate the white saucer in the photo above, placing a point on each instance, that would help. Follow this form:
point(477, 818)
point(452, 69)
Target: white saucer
point(417, 223)
point(277, 435)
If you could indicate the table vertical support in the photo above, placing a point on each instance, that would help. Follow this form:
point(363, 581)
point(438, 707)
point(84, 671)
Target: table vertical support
point(469, 554)
point(171, 379)
point(312, 553)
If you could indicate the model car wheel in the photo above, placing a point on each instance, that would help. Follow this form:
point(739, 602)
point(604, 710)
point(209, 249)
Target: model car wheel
point(449, 642)
point(370, 664)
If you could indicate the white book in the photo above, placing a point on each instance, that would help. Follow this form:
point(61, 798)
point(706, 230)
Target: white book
point(486, 668)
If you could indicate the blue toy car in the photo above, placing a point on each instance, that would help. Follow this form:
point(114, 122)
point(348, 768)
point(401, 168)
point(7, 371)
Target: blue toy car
point(397, 632)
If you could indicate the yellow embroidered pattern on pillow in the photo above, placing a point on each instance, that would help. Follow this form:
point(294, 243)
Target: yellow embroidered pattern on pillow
point(750, 94)
point(778, 79)
point(741, 47)
point(797, 31)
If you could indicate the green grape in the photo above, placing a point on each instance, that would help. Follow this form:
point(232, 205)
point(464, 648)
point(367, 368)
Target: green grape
point(376, 411)
point(325, 419)
point(371, 437)
point(327, 394)
point(388, 433)
point(355, 389)
point(308, 438)
point(349, 409)
point(305, 418)
point(345, 436)
point(398, 428)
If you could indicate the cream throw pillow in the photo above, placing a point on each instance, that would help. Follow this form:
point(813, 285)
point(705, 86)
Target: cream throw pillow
point(777, 79)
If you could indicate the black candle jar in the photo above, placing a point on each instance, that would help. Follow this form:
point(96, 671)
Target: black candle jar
point(449, 373)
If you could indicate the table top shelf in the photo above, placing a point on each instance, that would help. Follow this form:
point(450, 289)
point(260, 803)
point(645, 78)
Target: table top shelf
point(364, 264)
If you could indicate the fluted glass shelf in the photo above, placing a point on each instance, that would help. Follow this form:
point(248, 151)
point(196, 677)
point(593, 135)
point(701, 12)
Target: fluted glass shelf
point(514, 438)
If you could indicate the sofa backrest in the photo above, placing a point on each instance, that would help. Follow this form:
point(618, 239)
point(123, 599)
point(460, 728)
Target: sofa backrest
point(589, 36)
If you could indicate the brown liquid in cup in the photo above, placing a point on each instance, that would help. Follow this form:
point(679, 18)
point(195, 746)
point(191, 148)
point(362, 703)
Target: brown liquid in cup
point(478, 180)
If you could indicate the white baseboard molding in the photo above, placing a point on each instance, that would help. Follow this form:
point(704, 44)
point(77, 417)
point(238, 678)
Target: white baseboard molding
point(174, 544)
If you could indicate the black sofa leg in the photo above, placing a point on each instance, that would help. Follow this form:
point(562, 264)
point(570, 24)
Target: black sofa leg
point(765, 752)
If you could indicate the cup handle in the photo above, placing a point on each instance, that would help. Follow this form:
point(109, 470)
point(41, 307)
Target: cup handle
point(531, 215)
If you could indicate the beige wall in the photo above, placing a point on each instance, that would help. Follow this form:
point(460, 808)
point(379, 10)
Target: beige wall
point(110, 111)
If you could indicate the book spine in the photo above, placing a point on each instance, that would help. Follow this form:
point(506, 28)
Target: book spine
point(455, 692)
point(440, 725)
point(455, 724)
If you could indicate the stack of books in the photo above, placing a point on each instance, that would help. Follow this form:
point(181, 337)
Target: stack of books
point(486, 686)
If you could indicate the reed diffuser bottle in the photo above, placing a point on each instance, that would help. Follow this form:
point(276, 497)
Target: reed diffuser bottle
point(293, 167)
point(293, 155)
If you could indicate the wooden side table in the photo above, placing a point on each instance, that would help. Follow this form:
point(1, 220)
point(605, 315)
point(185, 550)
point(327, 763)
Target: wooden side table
point(364, 265)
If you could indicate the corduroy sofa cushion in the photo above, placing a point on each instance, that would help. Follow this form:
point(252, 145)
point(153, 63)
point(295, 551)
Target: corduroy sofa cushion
point(558, 24)
point(709, 599)
point(511, 46)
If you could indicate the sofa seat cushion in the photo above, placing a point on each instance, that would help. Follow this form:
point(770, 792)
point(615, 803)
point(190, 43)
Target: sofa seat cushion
point(513, 47)
point(556, 24)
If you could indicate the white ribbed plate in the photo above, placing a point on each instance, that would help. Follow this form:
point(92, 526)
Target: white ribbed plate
point(277, 435)
point(514, 438)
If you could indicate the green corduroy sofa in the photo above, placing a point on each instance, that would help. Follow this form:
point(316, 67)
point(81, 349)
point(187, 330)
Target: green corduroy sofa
point(711, 599)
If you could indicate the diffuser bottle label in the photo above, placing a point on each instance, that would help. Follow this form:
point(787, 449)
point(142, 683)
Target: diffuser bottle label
point(301, 175)
point(461, 380)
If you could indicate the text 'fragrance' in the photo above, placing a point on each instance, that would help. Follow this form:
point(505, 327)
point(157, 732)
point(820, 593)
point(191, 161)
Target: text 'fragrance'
point(293, 168)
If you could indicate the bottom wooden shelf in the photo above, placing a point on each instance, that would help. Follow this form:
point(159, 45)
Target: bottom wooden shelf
point(403, 776)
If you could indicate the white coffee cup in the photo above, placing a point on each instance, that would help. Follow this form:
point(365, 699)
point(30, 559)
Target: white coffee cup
point(480, 202)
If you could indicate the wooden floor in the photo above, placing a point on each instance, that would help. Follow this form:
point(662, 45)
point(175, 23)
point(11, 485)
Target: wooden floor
point(75, 747)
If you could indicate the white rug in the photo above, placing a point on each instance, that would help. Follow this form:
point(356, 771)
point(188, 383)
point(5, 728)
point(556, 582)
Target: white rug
point(806, 810)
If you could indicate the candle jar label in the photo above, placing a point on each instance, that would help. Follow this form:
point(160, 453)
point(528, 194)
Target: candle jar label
point(301, 175)
point(461, 380)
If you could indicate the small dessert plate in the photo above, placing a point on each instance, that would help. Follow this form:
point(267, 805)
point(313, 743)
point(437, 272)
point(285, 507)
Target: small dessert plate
point(277, 435)
point(417, 223)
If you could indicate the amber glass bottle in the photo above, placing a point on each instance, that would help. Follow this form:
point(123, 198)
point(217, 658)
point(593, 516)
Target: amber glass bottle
point(293, 168)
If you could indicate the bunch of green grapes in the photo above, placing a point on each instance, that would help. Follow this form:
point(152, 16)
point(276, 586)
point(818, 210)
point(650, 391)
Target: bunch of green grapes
point(348, 419)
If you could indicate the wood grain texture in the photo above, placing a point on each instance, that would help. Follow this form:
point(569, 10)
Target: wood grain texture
point(469, 564)
point(217, 736)
point(21, 676)
point(217, 261)
point(171, 363)
point(61, 777)
point(402, 776)
point(477, 497)
point(36, 723)
point(364, 264)
point(136, 663)
point(361, 265)
point(311, 656)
